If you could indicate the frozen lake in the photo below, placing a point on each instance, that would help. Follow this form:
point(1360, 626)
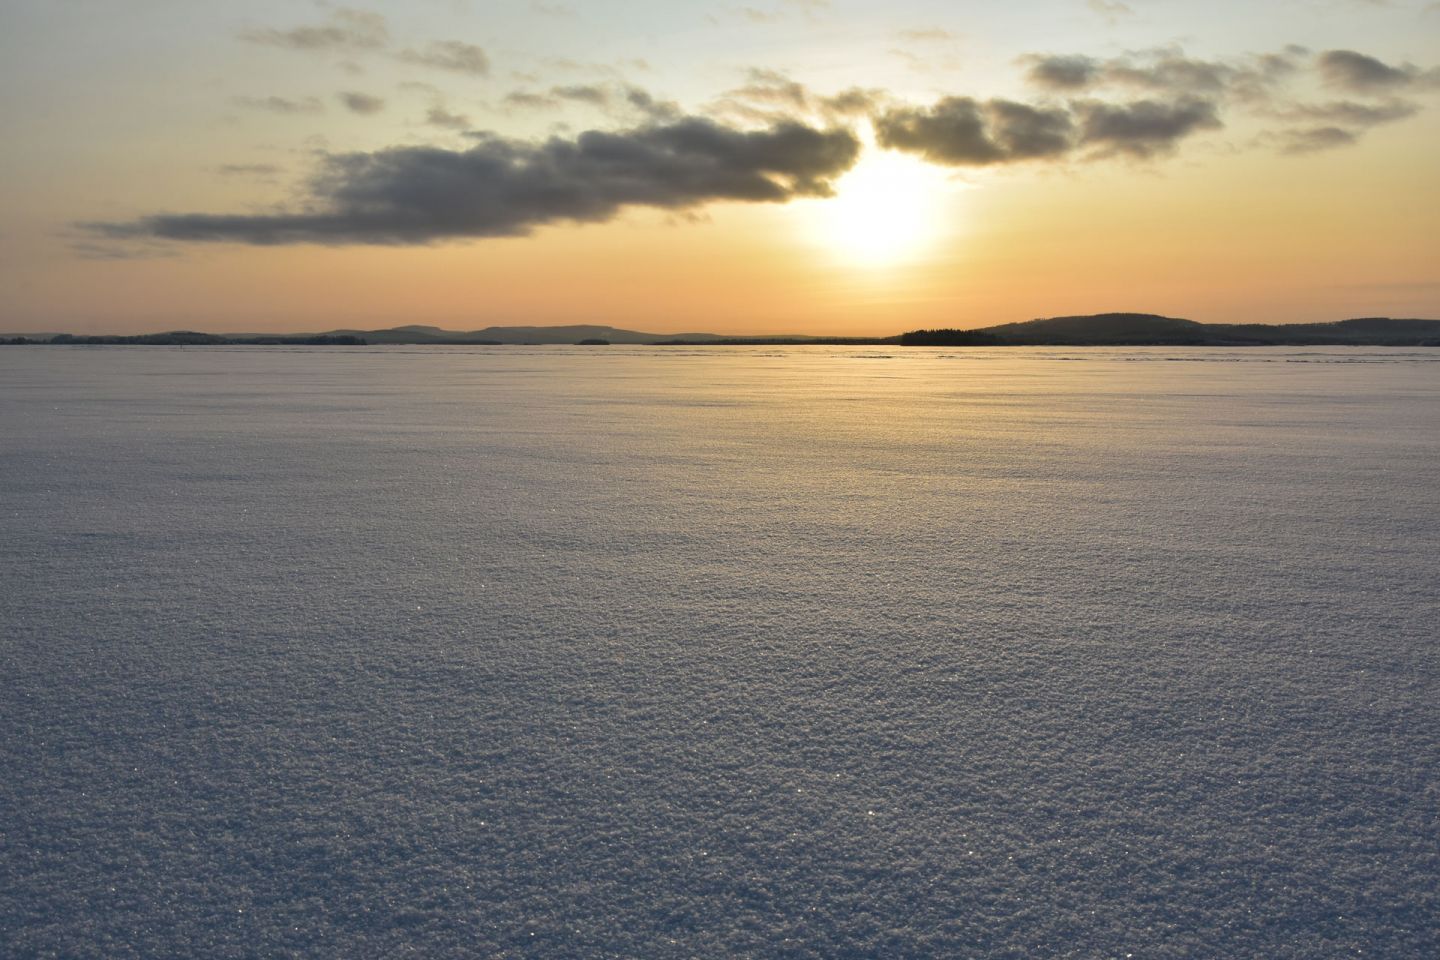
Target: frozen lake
point(795, 652)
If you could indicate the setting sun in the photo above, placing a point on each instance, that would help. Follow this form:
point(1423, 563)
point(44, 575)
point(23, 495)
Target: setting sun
point(889, 209)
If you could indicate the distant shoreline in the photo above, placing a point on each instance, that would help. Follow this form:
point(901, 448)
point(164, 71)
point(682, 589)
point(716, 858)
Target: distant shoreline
point(1096, 330)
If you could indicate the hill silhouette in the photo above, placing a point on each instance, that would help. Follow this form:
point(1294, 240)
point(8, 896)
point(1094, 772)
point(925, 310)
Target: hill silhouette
point(1148, 329)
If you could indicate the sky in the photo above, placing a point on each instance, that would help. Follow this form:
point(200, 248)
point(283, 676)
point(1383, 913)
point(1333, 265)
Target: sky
point(770, 166)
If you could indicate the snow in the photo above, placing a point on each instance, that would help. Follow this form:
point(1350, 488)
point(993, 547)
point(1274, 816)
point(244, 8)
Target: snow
point(643, 652)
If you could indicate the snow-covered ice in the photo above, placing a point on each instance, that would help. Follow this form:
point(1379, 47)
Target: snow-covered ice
point(803, 652)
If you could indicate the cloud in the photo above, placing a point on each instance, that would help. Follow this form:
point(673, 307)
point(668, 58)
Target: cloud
point(1314, 139)
point(530, 100)
point(773, 88)
point(1173, 71)
point(362, 103)
point(582, 93)
point(1063, 73)
point(281, 104)
point(613, 98)
point(768, 96)
point(1143, 129)
point(502, 187)
point(452, 55)
point(1166, 70)
point(1362, 74)
point(617, 99)
point(1257, 80)
point(259, 171)
point(962, 131)
point(1352, 114)
point(662, 111)
point(1026, 132)
point(853, 101)
point(354, 30)
point(1339, 123)
point(438, 116)
point(347, 29)
point(1190, 92)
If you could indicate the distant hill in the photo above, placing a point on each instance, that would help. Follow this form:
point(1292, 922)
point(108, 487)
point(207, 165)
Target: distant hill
point(496, 335)
point(1101, 329)
point(190, 338)
point(1148, 329)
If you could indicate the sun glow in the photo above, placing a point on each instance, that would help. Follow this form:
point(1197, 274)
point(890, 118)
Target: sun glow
point(890, 208)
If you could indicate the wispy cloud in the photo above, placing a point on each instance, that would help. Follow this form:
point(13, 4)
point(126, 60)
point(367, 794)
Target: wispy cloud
point(281, 104)
point(346, 29)
point(617, 99)
point(530, 100)
point(1339, 123)
point(257, 171)
point(1351, 113)
point(1165, 70)
point(452, 55)
point(1313, 140)
point(354, 31)
point(770, 95)
point(362, 103)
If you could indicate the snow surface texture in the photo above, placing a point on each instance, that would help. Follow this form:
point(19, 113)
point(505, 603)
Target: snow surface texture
point(719, 653)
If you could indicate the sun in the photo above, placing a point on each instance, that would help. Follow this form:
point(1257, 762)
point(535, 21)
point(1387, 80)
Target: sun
point(888, 209)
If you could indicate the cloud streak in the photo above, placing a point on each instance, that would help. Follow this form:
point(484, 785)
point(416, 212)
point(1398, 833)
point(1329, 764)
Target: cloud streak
point(1166, 70)
point(502, 187)
point(281, 104)
point(358, 31)
point(453, 55)
point(347, 29)
point(1314, 140)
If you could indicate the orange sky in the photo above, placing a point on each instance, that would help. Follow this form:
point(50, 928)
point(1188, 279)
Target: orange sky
point(1227, 221)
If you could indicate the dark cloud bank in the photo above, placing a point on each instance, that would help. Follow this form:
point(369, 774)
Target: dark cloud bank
point(960, 131)
point(500, 187)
